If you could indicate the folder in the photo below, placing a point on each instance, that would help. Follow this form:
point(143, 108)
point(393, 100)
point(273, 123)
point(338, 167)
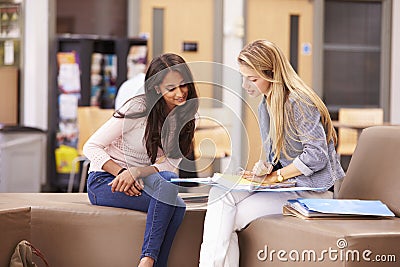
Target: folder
point(307, 208)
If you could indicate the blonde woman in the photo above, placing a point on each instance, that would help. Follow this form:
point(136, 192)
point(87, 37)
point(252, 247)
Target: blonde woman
point(299, 140)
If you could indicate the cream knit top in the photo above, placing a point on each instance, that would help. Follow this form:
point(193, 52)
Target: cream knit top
point(122, 140)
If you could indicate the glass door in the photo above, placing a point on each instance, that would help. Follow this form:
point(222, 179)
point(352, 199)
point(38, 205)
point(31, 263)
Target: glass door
point(352, 54)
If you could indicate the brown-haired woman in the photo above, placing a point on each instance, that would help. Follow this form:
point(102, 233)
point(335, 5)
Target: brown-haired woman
point(135, 154)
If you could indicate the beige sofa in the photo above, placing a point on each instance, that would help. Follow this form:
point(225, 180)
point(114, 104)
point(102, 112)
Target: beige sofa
point(373, 173)
point(71, 232)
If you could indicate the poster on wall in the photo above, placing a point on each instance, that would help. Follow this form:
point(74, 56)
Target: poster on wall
point(68, 79)
point(103, 79)
point(69, 87)
point(136, 60)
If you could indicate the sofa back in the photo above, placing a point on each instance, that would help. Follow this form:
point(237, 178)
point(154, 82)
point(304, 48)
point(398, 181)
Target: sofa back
point(374, 169)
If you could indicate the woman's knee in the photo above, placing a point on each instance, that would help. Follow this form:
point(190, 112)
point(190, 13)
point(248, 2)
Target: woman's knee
point(217, 193)
point(160, 188)
point(161, 181)
point(180, 204)
point(167, 175)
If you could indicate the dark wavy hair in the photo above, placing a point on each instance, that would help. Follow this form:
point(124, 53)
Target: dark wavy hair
point(173, 132)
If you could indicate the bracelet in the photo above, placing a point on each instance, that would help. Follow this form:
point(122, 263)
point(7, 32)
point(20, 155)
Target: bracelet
point(280, 176)
point(121, 171)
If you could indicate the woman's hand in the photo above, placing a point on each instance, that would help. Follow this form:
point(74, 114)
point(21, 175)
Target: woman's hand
point(129, 182)
point(260, 174)
point(259, 179)
point(262, 168)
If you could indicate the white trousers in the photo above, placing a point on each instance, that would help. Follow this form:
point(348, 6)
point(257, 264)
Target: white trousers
point(231, 211)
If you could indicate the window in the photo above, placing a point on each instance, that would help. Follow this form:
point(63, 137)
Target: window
point(352, 53)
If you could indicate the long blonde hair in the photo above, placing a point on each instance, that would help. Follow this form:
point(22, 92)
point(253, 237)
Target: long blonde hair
point(270, 63)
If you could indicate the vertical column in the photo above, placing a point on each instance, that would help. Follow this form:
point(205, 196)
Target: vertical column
point(133, 17)
point(294, 41)
point(395, 68)
point(218, 50)
point(385, 60)
point(318, 42)
point(34, 92)
point(233, 28)
point(158, 31)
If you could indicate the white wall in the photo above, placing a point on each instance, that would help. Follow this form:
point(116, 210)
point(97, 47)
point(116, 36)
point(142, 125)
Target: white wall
point(34, 93)
point(395, 67)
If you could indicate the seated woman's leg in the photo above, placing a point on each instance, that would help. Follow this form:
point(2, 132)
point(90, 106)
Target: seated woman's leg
point(170, 233)
point(267, 203)
point(164, 216)
point(229, 212)
point(219, 226)
point(258, 205)
point(100, 194)
point(165, 210)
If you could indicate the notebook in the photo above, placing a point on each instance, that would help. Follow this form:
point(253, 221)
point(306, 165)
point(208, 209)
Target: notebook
point(237, 182)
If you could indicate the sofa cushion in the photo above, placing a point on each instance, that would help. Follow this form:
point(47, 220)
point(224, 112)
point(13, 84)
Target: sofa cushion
point(293, 235)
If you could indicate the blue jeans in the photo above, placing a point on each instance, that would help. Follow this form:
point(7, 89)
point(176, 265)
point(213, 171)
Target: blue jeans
point(165, 209)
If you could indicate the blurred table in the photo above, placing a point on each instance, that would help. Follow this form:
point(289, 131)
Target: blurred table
point(359, 127)
point(207, 123)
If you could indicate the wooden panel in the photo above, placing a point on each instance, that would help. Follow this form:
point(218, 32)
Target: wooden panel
point(89, 120)
point(270, 19)
point(181, 26)
point(9, 95)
